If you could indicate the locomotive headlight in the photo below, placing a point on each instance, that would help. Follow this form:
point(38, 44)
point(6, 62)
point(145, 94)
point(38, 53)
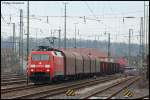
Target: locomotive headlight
point(47, 66)
point(32, 70)
point(32, 66)
point(47, 70)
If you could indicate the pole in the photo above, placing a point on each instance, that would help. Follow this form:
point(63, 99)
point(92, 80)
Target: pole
point(14, 46)
point(14, 38)
point(146, 34)
point(21, 43)
point(65, 28)
point(140, 51)
point(108, 46)
point(144, 31)
point(129, 54)
point(142, 40)
point(59, 37)
point(78, 36)
point(27, 37)
point(148, 30)
point(28, 30)
point(75, 35)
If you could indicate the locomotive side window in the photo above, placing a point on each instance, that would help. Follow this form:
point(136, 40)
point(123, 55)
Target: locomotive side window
point(56, 53)
point(37, 57)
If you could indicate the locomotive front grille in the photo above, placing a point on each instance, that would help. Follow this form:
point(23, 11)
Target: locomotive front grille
point(40, 76)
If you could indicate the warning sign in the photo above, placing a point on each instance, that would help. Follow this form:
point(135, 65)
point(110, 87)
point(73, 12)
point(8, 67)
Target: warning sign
point(127, 93)
point(70, 92)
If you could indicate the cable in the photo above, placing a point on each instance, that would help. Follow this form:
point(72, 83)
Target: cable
point(91, 10)
point(86, 17)
point(110, 7)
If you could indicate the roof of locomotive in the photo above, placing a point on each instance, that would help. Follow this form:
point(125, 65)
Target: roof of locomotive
point(45, 48)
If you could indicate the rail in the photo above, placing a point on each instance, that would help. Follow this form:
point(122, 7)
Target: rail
point(47, 91)
point(111, 86)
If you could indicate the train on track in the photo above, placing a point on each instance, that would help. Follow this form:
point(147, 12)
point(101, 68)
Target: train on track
point(48, 64)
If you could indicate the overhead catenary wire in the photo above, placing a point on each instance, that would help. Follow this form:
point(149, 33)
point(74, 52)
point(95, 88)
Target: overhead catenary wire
point(90, 9)
point(41, 20)
point(80, 16)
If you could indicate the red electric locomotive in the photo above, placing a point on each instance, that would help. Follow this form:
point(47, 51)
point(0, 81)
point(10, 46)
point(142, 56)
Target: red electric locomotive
point(45, 65)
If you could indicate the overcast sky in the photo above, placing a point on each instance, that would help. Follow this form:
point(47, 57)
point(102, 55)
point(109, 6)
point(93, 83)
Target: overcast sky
point(110, 14)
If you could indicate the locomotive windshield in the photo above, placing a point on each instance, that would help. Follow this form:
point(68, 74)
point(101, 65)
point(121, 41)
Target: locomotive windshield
point(37, 57)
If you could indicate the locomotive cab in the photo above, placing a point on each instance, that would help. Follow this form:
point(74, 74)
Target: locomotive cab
point(40, 66)
point(45, 64)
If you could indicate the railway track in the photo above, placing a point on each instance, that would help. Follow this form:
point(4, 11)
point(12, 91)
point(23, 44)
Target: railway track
point(13, 79)
point(13, 88)
point(6, 74)
point(13, 82)
point(44, 91)
point(143, 97)
point(12, 76)
point(112, 90)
